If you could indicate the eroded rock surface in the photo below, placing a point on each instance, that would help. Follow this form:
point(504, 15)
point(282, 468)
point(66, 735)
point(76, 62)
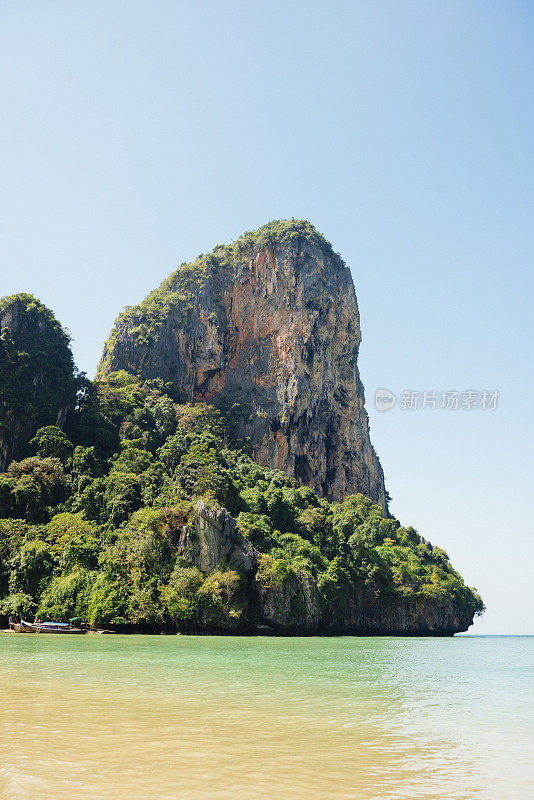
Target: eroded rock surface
point(214, 542)
point(272, 329)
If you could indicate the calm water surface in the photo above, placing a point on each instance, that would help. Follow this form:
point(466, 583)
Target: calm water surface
point(198, 718)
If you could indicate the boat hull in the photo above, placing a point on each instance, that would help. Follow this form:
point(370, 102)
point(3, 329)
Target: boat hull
point(30, 627)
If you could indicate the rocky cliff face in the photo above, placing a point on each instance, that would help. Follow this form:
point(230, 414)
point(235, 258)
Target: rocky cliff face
point(270, 326)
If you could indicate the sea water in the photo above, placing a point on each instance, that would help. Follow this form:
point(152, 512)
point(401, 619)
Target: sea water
point(198, 717)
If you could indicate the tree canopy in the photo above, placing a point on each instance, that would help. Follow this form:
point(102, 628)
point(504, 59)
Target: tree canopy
point(38, 383)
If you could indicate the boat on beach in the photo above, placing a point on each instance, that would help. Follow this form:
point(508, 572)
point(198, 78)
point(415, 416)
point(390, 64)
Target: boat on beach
point(44, 627)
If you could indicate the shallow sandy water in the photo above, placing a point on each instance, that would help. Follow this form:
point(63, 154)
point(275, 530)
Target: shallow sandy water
point(225, 717)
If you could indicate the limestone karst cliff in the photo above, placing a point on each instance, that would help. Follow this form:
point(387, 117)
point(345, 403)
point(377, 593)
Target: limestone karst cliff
point(148, 514)
point(270, 327)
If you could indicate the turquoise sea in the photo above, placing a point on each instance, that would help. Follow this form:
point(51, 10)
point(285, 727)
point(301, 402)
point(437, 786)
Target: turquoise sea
point(192, 718)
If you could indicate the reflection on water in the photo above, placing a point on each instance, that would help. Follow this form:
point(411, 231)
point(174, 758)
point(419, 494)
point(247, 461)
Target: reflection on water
point(225, 717)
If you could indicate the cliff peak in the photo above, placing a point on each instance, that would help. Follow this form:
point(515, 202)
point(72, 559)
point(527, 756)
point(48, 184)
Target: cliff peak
point(268, 325)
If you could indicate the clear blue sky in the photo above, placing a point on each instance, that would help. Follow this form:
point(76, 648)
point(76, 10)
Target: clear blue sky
point(137, 135)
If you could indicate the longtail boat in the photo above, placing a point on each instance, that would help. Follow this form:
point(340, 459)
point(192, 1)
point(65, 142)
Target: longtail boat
point(44, 627)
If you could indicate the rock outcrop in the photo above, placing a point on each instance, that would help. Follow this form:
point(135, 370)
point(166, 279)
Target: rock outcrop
point(289, 602)
point(270, 327)
point(37, 385)
point(214, 542)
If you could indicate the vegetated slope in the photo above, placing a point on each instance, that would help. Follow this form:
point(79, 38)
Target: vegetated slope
point(37, 384)
point(268, 327)
point(147, 514)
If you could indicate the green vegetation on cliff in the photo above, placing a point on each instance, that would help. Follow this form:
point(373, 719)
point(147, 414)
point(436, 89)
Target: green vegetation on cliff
point(283, 231)
point(175, 295)
point(36, 372)
point(93, 522)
